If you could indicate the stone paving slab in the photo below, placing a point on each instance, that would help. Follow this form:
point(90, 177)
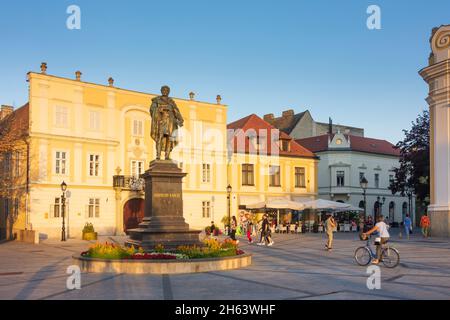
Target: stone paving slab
point(296, 267)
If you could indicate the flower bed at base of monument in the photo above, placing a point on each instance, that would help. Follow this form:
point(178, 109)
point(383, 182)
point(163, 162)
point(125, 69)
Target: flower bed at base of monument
point(212, 249)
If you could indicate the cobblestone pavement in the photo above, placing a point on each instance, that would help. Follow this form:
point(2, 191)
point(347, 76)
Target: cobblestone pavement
point(296, 267)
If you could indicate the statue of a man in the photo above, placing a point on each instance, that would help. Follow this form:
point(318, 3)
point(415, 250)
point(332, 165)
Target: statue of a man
point(166, 118)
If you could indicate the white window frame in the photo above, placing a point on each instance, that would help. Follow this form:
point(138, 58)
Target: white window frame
point(66, 162)
point(137, 167)
point(94, 205)
point(97, 170)
point(206, 172)
point(94, 120)
point(206, 209)
point(61, 116)
point(337, 178)
point(137, 128)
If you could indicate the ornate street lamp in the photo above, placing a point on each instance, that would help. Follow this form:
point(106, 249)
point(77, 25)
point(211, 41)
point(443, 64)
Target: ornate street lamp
point(63, 210)
point(229, 189)
point(364, 183)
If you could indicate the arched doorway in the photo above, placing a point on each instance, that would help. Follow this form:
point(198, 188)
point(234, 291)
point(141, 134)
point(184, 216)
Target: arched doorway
point(376, 210)
point(391, 211)
point(133, 214)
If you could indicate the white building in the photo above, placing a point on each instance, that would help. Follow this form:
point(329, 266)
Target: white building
point(345, 159)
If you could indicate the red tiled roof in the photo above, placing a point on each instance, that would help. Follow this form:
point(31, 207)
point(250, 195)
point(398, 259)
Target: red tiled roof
point(263, 130)
point(361, 144)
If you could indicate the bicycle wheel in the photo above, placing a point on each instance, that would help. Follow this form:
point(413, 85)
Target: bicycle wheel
point(363, 256)
point(390, 257)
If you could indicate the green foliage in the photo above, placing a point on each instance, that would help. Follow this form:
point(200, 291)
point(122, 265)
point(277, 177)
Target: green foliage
point(225, 220)
point(88, 228)
point(412, 176)
point(212, 249)
point(110, 251)
point(159, 248)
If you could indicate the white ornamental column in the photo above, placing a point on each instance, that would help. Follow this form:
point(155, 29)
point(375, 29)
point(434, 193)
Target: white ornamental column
point(437, 75)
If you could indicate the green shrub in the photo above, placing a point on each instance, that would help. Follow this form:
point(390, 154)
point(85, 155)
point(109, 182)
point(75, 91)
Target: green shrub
point(88, 228)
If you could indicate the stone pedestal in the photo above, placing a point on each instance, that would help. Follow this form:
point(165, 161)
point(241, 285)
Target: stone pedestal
point(163, 222)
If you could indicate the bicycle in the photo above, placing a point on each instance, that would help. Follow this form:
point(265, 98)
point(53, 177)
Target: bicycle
point(389, 255)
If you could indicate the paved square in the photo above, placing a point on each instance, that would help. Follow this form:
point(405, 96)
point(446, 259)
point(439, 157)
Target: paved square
point(296, 267)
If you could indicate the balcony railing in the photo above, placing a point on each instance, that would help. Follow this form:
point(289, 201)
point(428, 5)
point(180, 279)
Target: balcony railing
point(132, 183)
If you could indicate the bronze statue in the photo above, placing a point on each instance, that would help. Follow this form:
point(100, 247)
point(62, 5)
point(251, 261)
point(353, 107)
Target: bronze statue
point(166, 118)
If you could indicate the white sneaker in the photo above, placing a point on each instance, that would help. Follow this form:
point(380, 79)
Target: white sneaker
point(260, 244)
point(237, 241)
point(270, 244)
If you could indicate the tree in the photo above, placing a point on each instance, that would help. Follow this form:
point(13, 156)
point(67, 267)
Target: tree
point(14, 149)
point(413, 174)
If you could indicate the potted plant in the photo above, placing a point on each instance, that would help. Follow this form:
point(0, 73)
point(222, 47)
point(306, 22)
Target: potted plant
point(89, 232)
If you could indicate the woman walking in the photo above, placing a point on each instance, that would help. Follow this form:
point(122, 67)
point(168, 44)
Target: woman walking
point(425, 224)
point(407, 225)
point(330, 224)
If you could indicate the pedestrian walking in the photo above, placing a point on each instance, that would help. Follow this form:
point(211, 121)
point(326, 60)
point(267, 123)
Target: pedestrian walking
point(383, 236)
point(233, 229)
point(249, 230)
point(265, 232)
point(407, 224)
point(425, 224)
point(330, 224)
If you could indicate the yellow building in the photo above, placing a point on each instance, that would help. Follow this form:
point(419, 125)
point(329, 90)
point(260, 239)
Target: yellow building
point(96, 139)
point(267, 164)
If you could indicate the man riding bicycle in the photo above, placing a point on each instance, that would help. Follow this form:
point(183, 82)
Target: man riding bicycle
point(382, 228)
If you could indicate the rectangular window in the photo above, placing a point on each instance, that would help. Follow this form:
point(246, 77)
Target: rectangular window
point(137, 168)
point(285, 145)
point(138, 128)
point(247, 175)
point(60, 162)
point(94, 165)
point(94, 208)
point(206, 174)
point(57, 208)
point(274, 172)
point(377, 180)
point(206, 209)
point(340, 178)
point(391, 179)
point(94, 120)
point(7, 163)
point(17, 164)
point(361, 176)
point(300, 177)
point(61, 116)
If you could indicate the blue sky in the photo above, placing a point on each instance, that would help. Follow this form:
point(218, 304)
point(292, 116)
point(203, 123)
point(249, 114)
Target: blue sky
point(261, 56)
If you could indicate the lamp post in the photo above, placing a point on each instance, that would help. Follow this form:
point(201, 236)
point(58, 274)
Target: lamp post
point(63, 210)
point(380, 211)
point(229, 189)
point(364, 183)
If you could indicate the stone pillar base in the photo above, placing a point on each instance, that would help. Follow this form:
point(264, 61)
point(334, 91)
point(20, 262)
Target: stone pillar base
point(440, 223)
point(163, 222)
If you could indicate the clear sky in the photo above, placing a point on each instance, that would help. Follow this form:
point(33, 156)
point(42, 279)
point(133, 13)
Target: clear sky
point(261, 56)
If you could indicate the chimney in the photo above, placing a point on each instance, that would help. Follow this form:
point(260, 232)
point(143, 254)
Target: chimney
point(269, 118)
point(5, 111)
point(330, 126)
point(111, 82)
point(288, 114)
point(78, 75)
point(218, 99)
point(192, 96)
point(44, 67)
